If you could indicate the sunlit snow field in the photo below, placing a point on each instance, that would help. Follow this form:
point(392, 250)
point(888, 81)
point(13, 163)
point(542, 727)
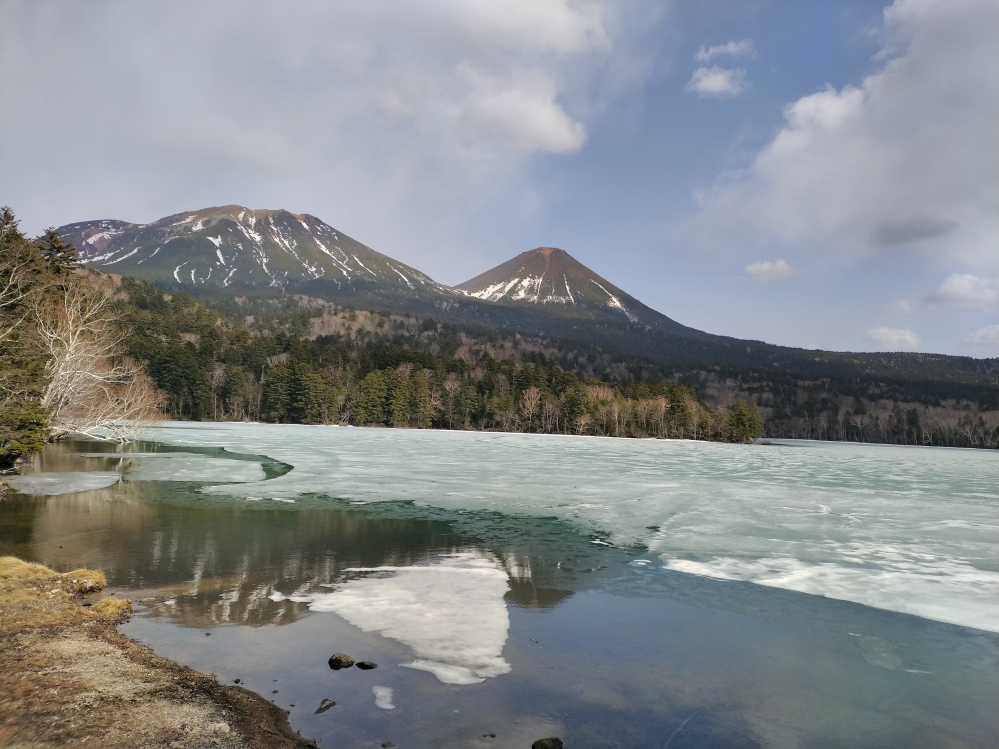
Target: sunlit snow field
point(615, 592)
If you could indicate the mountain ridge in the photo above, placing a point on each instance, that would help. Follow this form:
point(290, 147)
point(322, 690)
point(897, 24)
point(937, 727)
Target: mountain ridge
point(214, 251)
point(232, 245)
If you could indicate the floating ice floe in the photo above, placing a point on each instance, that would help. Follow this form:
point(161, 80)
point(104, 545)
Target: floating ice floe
point(51, 484)
point(383, 697)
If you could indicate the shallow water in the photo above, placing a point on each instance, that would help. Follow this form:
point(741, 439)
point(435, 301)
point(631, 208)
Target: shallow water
point(466, 566)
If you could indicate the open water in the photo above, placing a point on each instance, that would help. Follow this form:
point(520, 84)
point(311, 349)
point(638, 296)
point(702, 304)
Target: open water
point(615, 593)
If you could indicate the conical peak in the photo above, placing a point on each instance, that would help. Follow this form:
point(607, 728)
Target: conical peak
point(546, 251)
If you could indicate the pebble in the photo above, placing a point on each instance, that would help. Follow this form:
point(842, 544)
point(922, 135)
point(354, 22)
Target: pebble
point(387, 743)
point(366, 665)
point(325, 705)
point(175, 745)
point(218, 727)
point(551, 743)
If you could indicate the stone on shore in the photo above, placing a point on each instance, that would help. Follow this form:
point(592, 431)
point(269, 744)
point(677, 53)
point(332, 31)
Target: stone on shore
point(339, 660)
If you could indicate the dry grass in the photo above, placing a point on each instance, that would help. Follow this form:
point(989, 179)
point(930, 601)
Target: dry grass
point(68, 678)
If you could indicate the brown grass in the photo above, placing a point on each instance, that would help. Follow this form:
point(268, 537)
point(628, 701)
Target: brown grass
point(68, 678)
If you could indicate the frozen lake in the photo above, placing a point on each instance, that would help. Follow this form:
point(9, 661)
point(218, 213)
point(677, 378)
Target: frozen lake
point(614, 592)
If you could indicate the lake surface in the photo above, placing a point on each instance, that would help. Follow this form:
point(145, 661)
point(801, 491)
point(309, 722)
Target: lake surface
point(615, 593)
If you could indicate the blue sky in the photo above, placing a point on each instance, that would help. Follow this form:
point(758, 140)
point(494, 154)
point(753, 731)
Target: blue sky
point(818, 174)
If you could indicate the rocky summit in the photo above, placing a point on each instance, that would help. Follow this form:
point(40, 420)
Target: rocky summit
point(233, 246)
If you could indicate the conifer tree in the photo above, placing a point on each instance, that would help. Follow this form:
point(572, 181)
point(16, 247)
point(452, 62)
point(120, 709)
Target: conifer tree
point(60, 256)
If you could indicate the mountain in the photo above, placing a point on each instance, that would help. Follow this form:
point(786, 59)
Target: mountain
point(551, 279)
point(283, 269)
point(233, 247)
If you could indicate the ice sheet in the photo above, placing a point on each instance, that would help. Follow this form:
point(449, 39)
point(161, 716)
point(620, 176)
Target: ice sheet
point(901, 528)
point(191, 467)
point(50, 484)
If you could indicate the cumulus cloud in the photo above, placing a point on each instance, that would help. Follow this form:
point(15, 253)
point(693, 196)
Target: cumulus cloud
point(766, 270)
point(721, 83)
point(742, 48)
point(967, 290)
point(903, 161)
point(987, 336)
point(893, 339)
point(430, 112)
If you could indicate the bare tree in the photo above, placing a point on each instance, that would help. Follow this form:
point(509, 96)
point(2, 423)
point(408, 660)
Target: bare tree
point(451, 386)
point(529, 404)
point(502, 384)
point(93, 389)
point(15, 288)
point(551, 414)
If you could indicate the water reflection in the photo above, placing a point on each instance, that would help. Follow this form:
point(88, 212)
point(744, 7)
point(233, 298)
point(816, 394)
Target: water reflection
point(211, 561)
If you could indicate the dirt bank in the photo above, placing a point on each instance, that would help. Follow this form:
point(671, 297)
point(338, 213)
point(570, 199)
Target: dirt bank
point(68, 678)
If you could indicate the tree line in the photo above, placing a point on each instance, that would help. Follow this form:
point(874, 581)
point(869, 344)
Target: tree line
point(901, 426)
point(210, 369)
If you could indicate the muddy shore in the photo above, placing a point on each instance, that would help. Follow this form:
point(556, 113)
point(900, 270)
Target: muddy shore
point(69, 678)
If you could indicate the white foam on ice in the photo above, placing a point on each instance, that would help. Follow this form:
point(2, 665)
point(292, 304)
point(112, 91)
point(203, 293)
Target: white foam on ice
point(50, 484)
point(451, 613)
point(909, 529)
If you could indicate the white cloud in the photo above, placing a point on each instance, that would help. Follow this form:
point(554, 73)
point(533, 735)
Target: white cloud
point(906, 159)
point(967, 290)
point(987, 336)
point(719, 82)
point(429, 112)
point(742, 48)
point(902, 306)
point(893, 339)
point(766, 270)
point(521, 118)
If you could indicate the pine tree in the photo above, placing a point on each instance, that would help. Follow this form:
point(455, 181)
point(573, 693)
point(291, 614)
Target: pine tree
point(60, 256)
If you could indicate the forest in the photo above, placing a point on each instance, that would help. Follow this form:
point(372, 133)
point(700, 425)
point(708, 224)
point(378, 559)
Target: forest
point(209, 369)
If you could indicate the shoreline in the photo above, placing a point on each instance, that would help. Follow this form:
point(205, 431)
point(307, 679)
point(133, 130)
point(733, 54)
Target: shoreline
point(70, 678)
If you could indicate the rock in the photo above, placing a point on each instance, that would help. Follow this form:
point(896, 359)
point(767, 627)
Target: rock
point(489, 735)
point(387, 743)
point(366, 665)
point(339, 660)
point(218, 727)
point(325, 705)
point(551, 743)
point(274, 692)
point(175, 745)
point(236, 681)
point(208, 634)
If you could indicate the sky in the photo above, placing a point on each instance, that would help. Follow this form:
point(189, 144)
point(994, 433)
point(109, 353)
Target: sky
point(819, 174)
